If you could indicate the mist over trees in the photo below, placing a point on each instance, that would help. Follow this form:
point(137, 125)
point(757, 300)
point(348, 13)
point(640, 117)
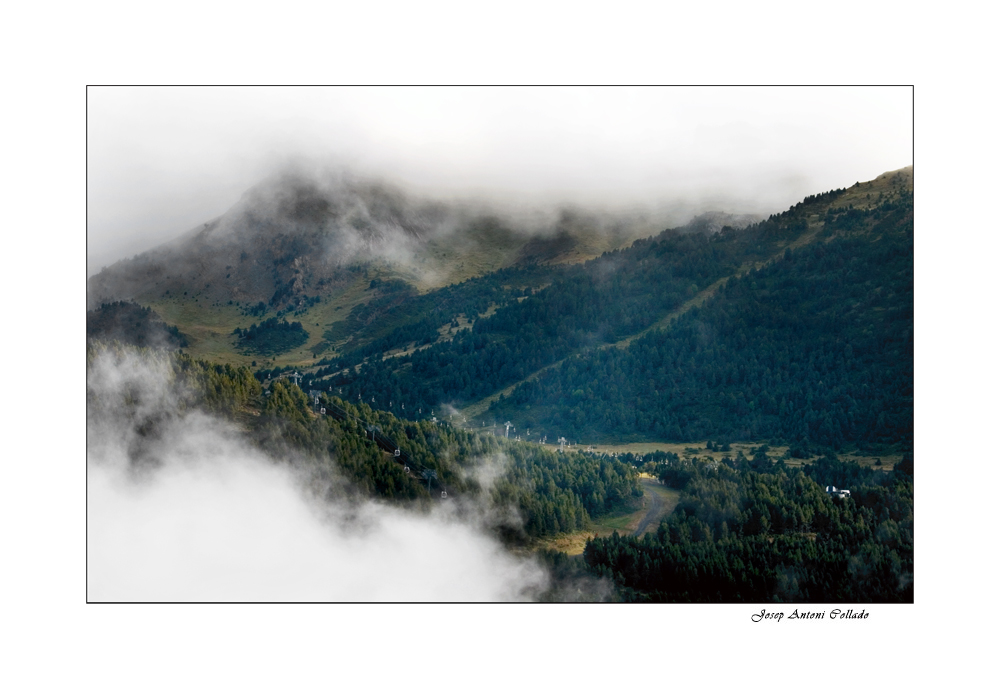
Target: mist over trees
point(796, 330)
point(599, 302)
point(549, 492)
point(814, 348)
point(133, 324)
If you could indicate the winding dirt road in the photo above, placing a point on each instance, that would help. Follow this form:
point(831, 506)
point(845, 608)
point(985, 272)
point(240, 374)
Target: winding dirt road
point(662, 501)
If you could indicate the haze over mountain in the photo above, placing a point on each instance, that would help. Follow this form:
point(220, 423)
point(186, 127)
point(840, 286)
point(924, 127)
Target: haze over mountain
point(445, 347)
point(162, 161)
point(306, 266)
point(294, 236)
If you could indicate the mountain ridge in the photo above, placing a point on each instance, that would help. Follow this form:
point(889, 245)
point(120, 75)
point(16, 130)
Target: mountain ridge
point(266, 257)
point(295, 237)
point(575, 315)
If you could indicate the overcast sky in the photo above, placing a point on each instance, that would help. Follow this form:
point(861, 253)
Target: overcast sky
point(163, 160)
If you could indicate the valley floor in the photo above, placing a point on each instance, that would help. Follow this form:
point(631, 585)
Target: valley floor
point(657, 503)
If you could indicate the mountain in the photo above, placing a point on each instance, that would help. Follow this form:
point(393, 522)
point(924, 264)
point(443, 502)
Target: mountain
point(307, 247)
point(284, 240)
point(421, 330)
point(797, 329)
point(358, 284)
point(296, 237)
point(813, 348)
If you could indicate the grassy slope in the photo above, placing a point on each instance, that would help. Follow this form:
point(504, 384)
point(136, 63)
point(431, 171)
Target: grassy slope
point(440, 263)
point(209, 328)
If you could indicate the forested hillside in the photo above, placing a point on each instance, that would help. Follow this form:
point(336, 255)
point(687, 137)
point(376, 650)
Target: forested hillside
point(549, 492)
point(808, 340)
point(552, 492)
point(587, 305)
point(759, 531)
point(396, 316)
point(795, 331)
point(815, 348)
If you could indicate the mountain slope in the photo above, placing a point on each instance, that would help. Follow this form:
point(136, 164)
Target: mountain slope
point(814, 348)
point(347, 265)
point(295, 237)
point(307, 248)
point(613, 298)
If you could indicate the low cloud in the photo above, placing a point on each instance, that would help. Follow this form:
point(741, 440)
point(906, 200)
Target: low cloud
point(181, 507)
point(161, 161)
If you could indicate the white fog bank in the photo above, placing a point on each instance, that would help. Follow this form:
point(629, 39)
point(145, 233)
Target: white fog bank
point(216, 520)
